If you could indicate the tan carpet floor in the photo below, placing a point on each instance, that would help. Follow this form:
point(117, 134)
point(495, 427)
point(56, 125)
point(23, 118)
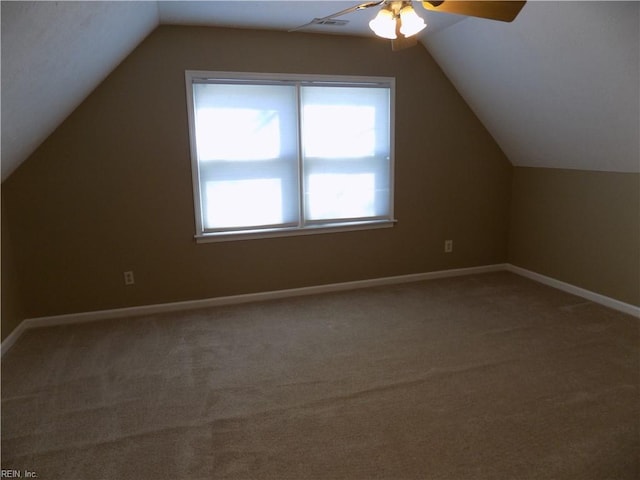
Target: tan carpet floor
point(487, 376)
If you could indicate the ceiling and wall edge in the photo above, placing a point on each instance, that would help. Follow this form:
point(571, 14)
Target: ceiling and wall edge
point(557, 88)
point(54, 54)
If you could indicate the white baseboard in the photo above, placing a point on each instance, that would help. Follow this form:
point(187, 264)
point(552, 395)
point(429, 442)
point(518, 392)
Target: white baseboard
point(233, 299)
point(12, 338)
point(296, 292)
point(580, 292)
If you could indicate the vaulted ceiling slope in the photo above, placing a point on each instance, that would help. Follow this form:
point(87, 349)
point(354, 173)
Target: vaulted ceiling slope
point(558, 87)
point(54, 54)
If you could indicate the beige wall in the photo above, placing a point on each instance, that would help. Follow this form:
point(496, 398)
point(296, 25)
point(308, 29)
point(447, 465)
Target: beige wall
point(12, 312)
point(580, 227)
point(111, 190)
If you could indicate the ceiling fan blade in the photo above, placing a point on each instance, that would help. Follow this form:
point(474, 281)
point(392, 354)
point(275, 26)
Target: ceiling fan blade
point(360, 6)
point(505, 11)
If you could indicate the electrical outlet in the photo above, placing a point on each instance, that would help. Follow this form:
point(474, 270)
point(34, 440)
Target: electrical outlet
point(448, 246)
point(128, 278)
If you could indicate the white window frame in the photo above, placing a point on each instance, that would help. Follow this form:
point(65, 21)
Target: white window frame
point(303, 227)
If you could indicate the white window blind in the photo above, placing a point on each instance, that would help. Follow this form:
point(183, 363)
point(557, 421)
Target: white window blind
point(283, 155)
point(346, 152)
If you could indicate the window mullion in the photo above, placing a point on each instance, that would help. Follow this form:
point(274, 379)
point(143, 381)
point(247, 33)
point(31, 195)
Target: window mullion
point(301, 205)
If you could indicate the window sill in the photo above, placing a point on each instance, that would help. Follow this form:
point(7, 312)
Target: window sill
point(292, 231)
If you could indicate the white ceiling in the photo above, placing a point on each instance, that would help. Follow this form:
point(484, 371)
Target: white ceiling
point(282, 15)
point(53, 55)
point(558, 87)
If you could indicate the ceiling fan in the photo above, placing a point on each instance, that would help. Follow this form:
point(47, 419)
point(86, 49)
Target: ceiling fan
point(398, 21)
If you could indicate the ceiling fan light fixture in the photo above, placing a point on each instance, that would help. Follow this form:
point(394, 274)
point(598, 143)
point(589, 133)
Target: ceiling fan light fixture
point(410, 22)
point(384, 24)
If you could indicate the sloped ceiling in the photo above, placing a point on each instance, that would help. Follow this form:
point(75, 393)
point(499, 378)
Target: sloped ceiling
point(53, 55)
point(559, 87)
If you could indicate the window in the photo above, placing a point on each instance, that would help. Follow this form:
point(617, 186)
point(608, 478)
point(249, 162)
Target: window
point(275, 155)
